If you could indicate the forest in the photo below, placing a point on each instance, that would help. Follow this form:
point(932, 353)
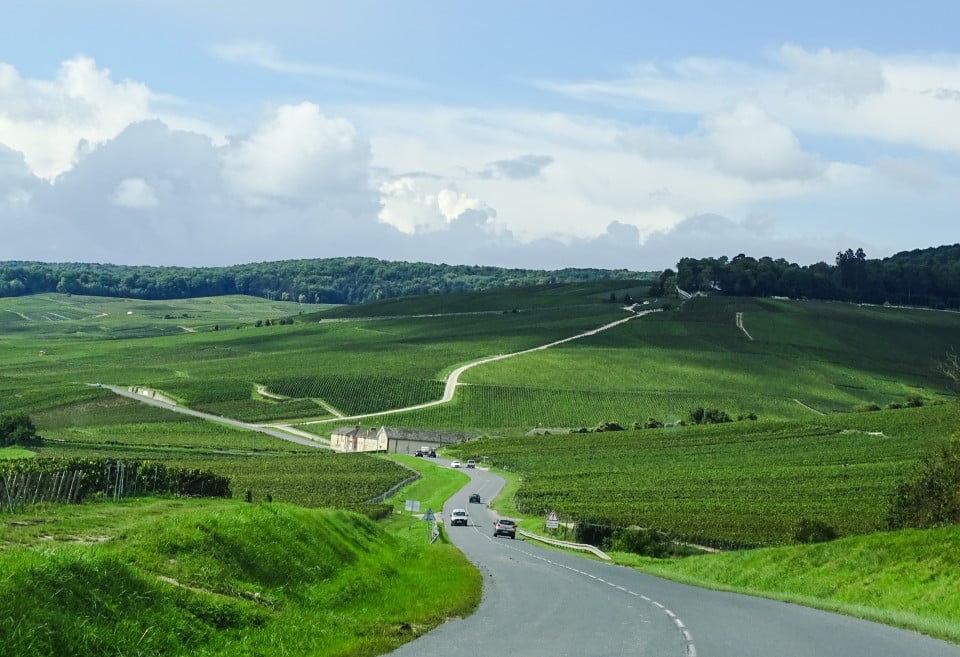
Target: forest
point(923, 277)
point(329, 280)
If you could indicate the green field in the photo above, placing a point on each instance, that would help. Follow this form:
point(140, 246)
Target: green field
point(806, 372)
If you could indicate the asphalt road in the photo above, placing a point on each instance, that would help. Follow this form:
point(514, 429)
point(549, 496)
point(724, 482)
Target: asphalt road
point(544, 603)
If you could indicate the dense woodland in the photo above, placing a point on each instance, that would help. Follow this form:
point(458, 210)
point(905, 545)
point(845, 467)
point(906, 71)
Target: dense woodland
point(330, 280)
point(924, 277)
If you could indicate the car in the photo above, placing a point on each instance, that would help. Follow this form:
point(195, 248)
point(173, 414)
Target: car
point(475, 498)
point(432, 454)
point(459, 517)
point(471, 463)
point(505, 527)
point(455, 464)
point(419, 453)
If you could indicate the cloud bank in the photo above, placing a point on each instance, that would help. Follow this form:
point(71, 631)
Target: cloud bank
point(695, 157)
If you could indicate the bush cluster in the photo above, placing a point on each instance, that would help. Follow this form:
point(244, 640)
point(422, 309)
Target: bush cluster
point(18, 430)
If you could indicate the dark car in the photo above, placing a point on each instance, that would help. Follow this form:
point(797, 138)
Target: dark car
point(505, 527)
point(432, 454)
point(475, 498)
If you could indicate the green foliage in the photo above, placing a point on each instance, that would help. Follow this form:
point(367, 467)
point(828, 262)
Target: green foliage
point(907, 578)
point(28, 481)
point(708, 416)
point(925, 277)
point(724, 485)
point(356, 394)
point(645, 542)
point(18, 430)
point(330, 280)
point(230, 578)
point(930, 496)
point(814, 531)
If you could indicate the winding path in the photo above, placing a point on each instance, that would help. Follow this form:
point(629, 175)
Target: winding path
point(453, 380)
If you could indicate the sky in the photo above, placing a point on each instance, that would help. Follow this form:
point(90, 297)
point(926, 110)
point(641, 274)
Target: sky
point(532, 134)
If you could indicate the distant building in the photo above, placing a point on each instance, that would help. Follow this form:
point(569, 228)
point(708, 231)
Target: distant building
point(394, 440)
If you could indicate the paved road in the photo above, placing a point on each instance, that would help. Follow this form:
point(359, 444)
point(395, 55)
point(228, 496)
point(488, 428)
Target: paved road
point(276, 433)
point(540, 603)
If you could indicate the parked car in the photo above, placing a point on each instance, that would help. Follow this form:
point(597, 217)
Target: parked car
point(505, 527)
point(455, 464)
point(471, 463)
point(459, 517)
point(475, 498)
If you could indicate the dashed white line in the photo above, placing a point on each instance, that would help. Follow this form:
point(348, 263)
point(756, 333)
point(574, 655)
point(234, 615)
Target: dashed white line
point(691, 649)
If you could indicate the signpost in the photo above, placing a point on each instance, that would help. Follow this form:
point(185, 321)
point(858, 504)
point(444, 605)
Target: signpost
point(433, 532)
point(552, 521)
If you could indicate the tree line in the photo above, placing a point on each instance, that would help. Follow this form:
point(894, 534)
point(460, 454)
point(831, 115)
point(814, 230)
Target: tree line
point(327, 280)
point(922, 277)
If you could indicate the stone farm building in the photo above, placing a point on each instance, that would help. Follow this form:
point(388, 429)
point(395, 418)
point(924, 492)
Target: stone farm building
point(394, 440)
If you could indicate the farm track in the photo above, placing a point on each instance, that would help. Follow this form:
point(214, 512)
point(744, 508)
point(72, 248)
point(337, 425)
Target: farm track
point(271, 430)
point(285, 431)
point(453, 380)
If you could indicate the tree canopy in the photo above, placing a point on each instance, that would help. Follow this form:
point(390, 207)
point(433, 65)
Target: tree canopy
point(923, 277)
point(331, 280)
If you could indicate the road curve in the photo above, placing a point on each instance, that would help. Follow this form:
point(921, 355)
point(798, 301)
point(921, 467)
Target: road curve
point(543, 603)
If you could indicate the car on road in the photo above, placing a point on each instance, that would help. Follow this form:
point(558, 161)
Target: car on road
point(475, 498)
point(455, 464)
point(505, 527)
point(459, 517)
point(471, 463)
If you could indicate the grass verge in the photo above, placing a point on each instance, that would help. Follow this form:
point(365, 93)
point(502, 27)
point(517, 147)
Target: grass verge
point(170, 577)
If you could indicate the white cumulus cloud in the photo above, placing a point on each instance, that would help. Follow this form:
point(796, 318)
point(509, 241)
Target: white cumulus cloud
point(135, 193)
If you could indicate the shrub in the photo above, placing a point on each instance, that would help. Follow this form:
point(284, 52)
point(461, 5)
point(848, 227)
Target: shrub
point(653, 423)
point(17, 430)
point(814, 531)
point(646, 542)
point(931, 496)
point(709, 416)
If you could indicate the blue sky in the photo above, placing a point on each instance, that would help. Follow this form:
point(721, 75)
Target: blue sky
point(535, 134)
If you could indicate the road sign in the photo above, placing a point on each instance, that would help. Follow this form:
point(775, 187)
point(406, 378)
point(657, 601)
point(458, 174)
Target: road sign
point(412, 505)
point(552, 521)
point(429, 515)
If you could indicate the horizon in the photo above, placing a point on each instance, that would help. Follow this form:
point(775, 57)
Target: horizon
point(542, 136)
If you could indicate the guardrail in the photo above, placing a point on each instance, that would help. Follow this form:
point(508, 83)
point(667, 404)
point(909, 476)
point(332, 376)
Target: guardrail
point(565, 544)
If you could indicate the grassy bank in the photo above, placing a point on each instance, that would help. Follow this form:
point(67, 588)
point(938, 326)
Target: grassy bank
point(222, 578)
point(907, 579)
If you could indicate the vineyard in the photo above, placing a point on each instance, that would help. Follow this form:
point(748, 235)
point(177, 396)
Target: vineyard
point(353, 395)
point(737, 484)
point(26, 482)
point(810, 364)
point(316, 478)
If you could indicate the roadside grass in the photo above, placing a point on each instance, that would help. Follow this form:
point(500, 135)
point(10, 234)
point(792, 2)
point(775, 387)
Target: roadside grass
point(903, 578)
point(435, 486)
point(906, 578)
point(228, 578)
